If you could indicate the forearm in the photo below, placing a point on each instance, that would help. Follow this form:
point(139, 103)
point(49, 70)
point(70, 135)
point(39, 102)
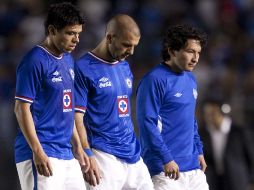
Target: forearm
point(26, 124)
point(151, 137)
point(75, 138)
point(81, 130)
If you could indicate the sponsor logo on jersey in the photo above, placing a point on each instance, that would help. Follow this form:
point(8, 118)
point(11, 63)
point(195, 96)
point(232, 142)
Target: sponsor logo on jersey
point(123, 106)
point(128, 82)
point(72, 73)
point(67, 100)
point(195, 93)
point(104, 82)
point(56, 77)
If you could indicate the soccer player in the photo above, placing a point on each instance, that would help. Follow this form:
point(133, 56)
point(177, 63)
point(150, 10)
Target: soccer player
point(166, 99)
point(44, 108)
point(103, 88)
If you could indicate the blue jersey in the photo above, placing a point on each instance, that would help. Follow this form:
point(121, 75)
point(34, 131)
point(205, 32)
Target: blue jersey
point(103, 91)
point(47, 83)
point(166, 117)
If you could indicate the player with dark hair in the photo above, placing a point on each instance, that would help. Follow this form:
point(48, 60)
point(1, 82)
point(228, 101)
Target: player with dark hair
point(166, 99)
point(47, 140)
point(103, 88)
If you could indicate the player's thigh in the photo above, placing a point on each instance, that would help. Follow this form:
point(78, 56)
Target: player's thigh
point(161, 182)
point(198, 182)
point(138, 177)
point(74, 177)
point(112, 170)
point(30, 179)
point(27, 174)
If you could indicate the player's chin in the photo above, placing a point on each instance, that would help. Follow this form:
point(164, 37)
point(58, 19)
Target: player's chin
point(190, 68)
point(69, 49)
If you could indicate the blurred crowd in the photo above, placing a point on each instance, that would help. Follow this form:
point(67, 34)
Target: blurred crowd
point(225, 70)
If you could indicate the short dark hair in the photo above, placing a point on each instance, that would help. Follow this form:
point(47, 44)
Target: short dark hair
point(61, 15)
point(176, 37)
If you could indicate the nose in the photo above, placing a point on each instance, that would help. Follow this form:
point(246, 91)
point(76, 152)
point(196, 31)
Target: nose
point(195, 57)
point(76, 38)
point(131, 50)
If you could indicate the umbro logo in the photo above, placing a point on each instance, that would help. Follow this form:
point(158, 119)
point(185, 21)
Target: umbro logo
point(56, 77)
point(56, 73)
point(103, 79)
point(178, 94)
point(104, 82)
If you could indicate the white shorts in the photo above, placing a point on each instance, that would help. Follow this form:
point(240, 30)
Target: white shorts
point(67, 175)
point(191, 180)
point(119, 175)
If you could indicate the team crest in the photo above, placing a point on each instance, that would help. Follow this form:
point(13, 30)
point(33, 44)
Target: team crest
point(128, 82)
point(72, 73)
point(123, 106)
point(67, 100)
point(195, 93)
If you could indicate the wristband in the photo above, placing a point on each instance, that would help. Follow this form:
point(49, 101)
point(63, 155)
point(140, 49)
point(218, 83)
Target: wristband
point(88, 151)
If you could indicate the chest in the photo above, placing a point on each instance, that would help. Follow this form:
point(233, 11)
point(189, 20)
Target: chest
point(180, 91)
point(112, 80)
point(58, 76)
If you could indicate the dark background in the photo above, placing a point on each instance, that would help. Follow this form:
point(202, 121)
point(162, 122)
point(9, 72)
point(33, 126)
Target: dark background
point(225, 70)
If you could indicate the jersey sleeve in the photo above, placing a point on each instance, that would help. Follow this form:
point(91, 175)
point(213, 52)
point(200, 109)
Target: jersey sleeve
point(29, 79)
point(149, 98)
point(80, 90)
point(197, 139)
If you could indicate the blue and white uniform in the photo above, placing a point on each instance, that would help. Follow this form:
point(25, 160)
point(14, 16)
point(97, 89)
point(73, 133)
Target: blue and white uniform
point(166, 118)
point(103, 93)
point(47, 83)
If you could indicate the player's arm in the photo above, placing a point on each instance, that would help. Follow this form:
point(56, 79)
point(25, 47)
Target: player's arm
point(199, 145)
point(78, 152)
point(149, 100)
point(25, 120)
point(93, 175)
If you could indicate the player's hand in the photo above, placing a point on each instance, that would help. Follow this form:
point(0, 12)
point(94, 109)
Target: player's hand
point(171, 170)
point(42, 164)
point(83, 159)
point(202, 162)
point(93, 175)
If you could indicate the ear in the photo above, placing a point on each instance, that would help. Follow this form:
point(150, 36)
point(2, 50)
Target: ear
point(109, 38)
point(171, 52)
point(52, 30)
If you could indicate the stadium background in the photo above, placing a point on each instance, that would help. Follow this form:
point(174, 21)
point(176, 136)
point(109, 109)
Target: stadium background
point(225, 70)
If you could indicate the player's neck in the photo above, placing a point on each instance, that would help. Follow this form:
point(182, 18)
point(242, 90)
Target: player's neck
point(102, 52)
point(51, 48)
point(173, 67)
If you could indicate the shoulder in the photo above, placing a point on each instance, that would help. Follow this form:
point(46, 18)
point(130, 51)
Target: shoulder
point(155, 78)
point(84, 66)
point(160, 73)
point(84, 61)
point(35, 58)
